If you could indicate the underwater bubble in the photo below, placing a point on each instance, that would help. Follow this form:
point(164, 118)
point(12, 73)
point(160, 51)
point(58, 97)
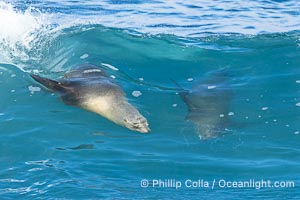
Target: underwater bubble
point(231, 113)
point(174, 105)
point(264, 108)
point(222, 115)
point(13, 75)
point(136, 93)
point(141, 79)
point(211, 87)
point(84, 56)
point(297, 81)
point(12, 91)
point(190, 79)
point(112, 76)
point(298, 104)
point(296, 132)
point(33, 89)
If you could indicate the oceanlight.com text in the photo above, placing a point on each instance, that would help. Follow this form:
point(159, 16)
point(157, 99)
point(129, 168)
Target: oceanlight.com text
point(216, 183)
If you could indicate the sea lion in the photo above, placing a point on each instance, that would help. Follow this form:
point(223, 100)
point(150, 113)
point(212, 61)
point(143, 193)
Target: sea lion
point(208, 105)
point(89, 87)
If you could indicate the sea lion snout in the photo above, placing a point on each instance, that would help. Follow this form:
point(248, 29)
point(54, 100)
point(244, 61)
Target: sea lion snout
point(139, 124)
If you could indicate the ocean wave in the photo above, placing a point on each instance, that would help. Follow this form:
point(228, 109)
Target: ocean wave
point(37, 33)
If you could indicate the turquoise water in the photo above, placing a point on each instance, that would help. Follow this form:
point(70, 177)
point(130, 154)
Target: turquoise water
point(52, 150)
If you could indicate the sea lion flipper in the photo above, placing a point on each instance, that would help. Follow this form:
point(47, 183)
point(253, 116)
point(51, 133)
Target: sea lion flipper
point(53, 85)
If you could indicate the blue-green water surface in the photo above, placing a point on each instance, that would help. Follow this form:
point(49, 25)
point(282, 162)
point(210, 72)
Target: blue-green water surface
point(50, 150)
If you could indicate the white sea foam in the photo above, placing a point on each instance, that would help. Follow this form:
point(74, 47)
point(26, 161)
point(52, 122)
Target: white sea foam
point(20, 31)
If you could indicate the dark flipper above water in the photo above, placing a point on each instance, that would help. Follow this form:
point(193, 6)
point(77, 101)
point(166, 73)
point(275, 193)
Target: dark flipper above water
point(53, 85)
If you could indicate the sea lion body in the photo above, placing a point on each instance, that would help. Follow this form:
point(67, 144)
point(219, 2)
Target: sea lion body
point(90, 88)
point(208, 105)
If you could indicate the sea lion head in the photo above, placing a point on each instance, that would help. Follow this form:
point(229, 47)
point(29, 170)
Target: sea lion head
point(133, 120)
point(117, 109)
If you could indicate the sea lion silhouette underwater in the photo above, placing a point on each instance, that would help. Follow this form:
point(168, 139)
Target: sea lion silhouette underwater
point(208, 104)
point(90, 88)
